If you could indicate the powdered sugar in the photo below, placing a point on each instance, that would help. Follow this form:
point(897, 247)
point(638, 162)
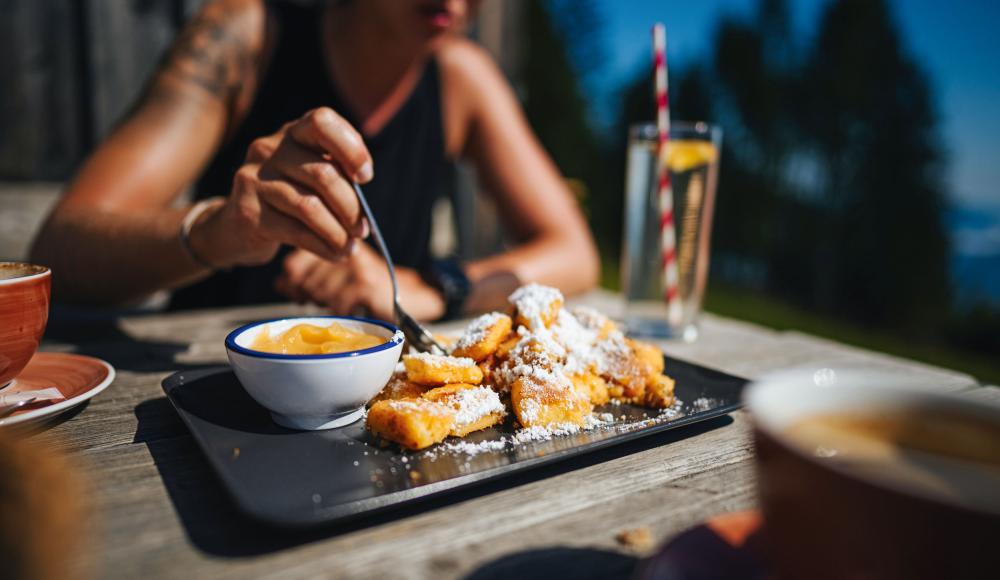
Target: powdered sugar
point(478, 330)
point(539, 376)
point(529, 409)
point(471, 449)
point(525, 436)
point(540, 340)
point(578, 341)
point(440, 361)
point(585, 351)
point(420, 406)
point(474, 404)
point(589, 318)
point(534, 301)
point(605, 417)
point(536, 356)
point(540, 433)
point(702, 404)
point(668, 414)
point(613, 356)
point(396, 388)
point(520, 437)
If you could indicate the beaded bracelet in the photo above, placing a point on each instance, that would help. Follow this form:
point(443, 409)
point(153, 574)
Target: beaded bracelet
point(184, 234)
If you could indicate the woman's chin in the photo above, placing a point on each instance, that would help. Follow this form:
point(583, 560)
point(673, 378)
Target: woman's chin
point(434, 29)
point(432, 34)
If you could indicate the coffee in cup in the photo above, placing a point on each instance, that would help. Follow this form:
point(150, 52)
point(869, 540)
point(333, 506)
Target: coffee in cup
point(865, 477)
point(944, 455)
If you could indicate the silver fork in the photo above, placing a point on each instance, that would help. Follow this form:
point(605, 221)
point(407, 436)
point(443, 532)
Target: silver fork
point(416, 335)
point(8, 409)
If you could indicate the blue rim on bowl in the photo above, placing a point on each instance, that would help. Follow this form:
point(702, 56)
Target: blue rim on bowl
point(396, 338)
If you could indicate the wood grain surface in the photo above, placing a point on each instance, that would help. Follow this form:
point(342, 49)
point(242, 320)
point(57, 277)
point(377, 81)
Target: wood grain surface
point(159, 512)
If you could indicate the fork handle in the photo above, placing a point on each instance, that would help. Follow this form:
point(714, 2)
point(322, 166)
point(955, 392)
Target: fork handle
point(379, 241)
point(416, 334)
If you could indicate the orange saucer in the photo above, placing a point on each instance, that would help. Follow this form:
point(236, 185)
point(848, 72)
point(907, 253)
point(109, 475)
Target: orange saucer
point(76, 376)
point(724, 546)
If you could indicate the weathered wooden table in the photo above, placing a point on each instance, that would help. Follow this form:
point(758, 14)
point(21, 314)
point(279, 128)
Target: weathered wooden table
point(160, 512)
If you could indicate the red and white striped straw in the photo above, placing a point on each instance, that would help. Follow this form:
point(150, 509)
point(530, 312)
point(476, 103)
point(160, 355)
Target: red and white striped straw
point(668, 236)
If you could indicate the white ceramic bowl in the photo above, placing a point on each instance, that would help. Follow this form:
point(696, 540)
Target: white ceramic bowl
point(314, 391)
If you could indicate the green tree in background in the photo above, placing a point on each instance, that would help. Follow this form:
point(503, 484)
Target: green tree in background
point(553, 99)
point(755, 86)
point(870, 117)
point(690, 100)
point(831, 196)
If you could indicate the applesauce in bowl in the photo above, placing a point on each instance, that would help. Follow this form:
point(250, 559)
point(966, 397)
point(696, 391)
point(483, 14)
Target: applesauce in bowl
point(314, 389)
point(304, 338)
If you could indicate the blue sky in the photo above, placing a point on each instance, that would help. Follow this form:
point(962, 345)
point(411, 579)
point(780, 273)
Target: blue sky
point(957, 42)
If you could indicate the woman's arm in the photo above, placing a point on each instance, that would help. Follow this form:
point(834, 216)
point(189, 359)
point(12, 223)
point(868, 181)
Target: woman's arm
point(484, 121)
point(113, 237)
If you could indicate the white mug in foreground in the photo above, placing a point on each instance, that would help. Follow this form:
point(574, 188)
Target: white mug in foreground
point(862, 475)
point(314, 391)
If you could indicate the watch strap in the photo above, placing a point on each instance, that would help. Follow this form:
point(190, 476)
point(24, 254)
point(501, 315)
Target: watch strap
point(449, 278)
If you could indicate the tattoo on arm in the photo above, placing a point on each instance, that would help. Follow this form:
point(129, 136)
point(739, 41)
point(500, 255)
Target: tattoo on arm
point(212, 52)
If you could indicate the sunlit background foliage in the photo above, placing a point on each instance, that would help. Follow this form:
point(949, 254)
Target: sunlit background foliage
point(833, 211)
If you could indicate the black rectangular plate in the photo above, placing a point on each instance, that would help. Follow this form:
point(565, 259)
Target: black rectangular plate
point(299, 478)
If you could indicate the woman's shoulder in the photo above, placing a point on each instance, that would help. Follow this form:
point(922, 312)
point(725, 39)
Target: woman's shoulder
point(468, 77)
point(234, 29)
point(244, 18)
point(220, 50)
point(463, 60)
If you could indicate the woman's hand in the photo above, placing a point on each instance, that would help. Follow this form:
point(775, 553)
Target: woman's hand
point(294, 188)
point(357, 282)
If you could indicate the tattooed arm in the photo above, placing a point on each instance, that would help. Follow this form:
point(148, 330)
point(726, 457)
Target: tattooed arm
point(113, 238)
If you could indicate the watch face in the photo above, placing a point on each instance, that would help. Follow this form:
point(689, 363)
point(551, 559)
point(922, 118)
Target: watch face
point(449, 278)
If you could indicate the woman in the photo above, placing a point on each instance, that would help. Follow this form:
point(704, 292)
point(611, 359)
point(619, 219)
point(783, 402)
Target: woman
point(270, 110)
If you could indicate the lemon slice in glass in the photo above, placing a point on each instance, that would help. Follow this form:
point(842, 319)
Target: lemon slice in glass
point(686, 154)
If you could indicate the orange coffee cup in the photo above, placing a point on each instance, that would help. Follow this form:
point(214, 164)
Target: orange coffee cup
point(906, 491)
point(24, 310)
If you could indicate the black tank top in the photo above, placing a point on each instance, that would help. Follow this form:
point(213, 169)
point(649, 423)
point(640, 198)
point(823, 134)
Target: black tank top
point(411, 169)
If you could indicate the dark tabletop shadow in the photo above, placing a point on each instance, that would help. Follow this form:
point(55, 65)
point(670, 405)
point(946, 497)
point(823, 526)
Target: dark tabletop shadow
point(701, 553)
point(99, 334)
point(220, 400)
point(157, 420)
point(36, 427)
point(215, 526)
point(545, 564)
point(59, 419)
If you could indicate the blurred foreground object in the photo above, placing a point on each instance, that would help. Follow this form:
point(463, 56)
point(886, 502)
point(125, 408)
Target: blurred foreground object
point(42, 511)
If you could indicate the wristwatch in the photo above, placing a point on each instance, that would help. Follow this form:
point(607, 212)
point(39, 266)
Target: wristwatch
point(448, 277)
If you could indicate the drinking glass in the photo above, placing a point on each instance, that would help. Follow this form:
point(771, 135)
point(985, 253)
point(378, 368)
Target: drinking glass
point(692, 158)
